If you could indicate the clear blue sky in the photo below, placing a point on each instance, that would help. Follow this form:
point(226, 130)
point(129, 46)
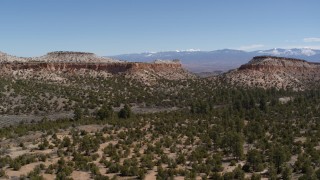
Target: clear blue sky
point(109, 27)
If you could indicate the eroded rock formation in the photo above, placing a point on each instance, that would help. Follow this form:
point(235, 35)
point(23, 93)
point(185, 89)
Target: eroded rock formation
point(67, 63)
point(279, 72)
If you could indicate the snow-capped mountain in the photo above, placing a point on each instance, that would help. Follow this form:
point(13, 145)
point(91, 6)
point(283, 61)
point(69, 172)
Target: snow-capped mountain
point(290, 52)
point(219, 60)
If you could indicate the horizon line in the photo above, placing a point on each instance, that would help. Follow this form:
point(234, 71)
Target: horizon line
point(154, 52)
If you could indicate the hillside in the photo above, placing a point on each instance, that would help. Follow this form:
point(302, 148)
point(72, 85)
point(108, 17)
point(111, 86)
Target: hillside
point(54, 84)
point(278, 72)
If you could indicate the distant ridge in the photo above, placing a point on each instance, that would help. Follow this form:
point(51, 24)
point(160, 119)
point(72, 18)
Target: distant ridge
point(220, 60)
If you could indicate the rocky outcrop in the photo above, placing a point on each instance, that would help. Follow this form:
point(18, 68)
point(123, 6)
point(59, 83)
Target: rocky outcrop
point(113, 68)
point(73, 63)
point(278, 72)
point(272, 63)
point(8, 58)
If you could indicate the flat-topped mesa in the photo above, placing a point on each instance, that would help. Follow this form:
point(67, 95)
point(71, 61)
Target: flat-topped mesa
point(73, 57)
point(278, 72)
point(69, 52)
point(257, 59)
point(70, 65)
point(275, 63)
point(113, 68)
point(64, 63)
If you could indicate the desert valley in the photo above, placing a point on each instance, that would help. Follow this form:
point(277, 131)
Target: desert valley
point(159, 90)
point(74, 115)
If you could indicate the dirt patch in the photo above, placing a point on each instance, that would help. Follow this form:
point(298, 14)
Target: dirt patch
point(80, 175)
point(90, 128)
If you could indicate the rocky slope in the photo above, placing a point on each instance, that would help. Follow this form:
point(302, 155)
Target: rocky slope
point(8, 58)
point(278, 72)
point(57, 65)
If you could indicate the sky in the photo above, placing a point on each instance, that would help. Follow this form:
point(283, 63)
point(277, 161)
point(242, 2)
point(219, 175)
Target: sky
point(111, 27)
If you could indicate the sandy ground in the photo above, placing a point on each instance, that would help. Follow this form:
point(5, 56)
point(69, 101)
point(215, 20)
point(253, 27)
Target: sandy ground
point(49, 176)
point(152, 174)
point(90, 128)
point(31, 147)
point(79, 175)
point(23, 171)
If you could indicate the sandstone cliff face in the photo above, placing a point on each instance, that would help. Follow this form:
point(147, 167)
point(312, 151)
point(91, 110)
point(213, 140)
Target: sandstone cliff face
point(61, 64)
point(278, 72)
point(113, 68)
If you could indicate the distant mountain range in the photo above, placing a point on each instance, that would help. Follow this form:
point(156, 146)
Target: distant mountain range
point(219, 60)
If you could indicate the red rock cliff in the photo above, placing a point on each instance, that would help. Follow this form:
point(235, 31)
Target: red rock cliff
point(113, 68)
point(64, 62)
